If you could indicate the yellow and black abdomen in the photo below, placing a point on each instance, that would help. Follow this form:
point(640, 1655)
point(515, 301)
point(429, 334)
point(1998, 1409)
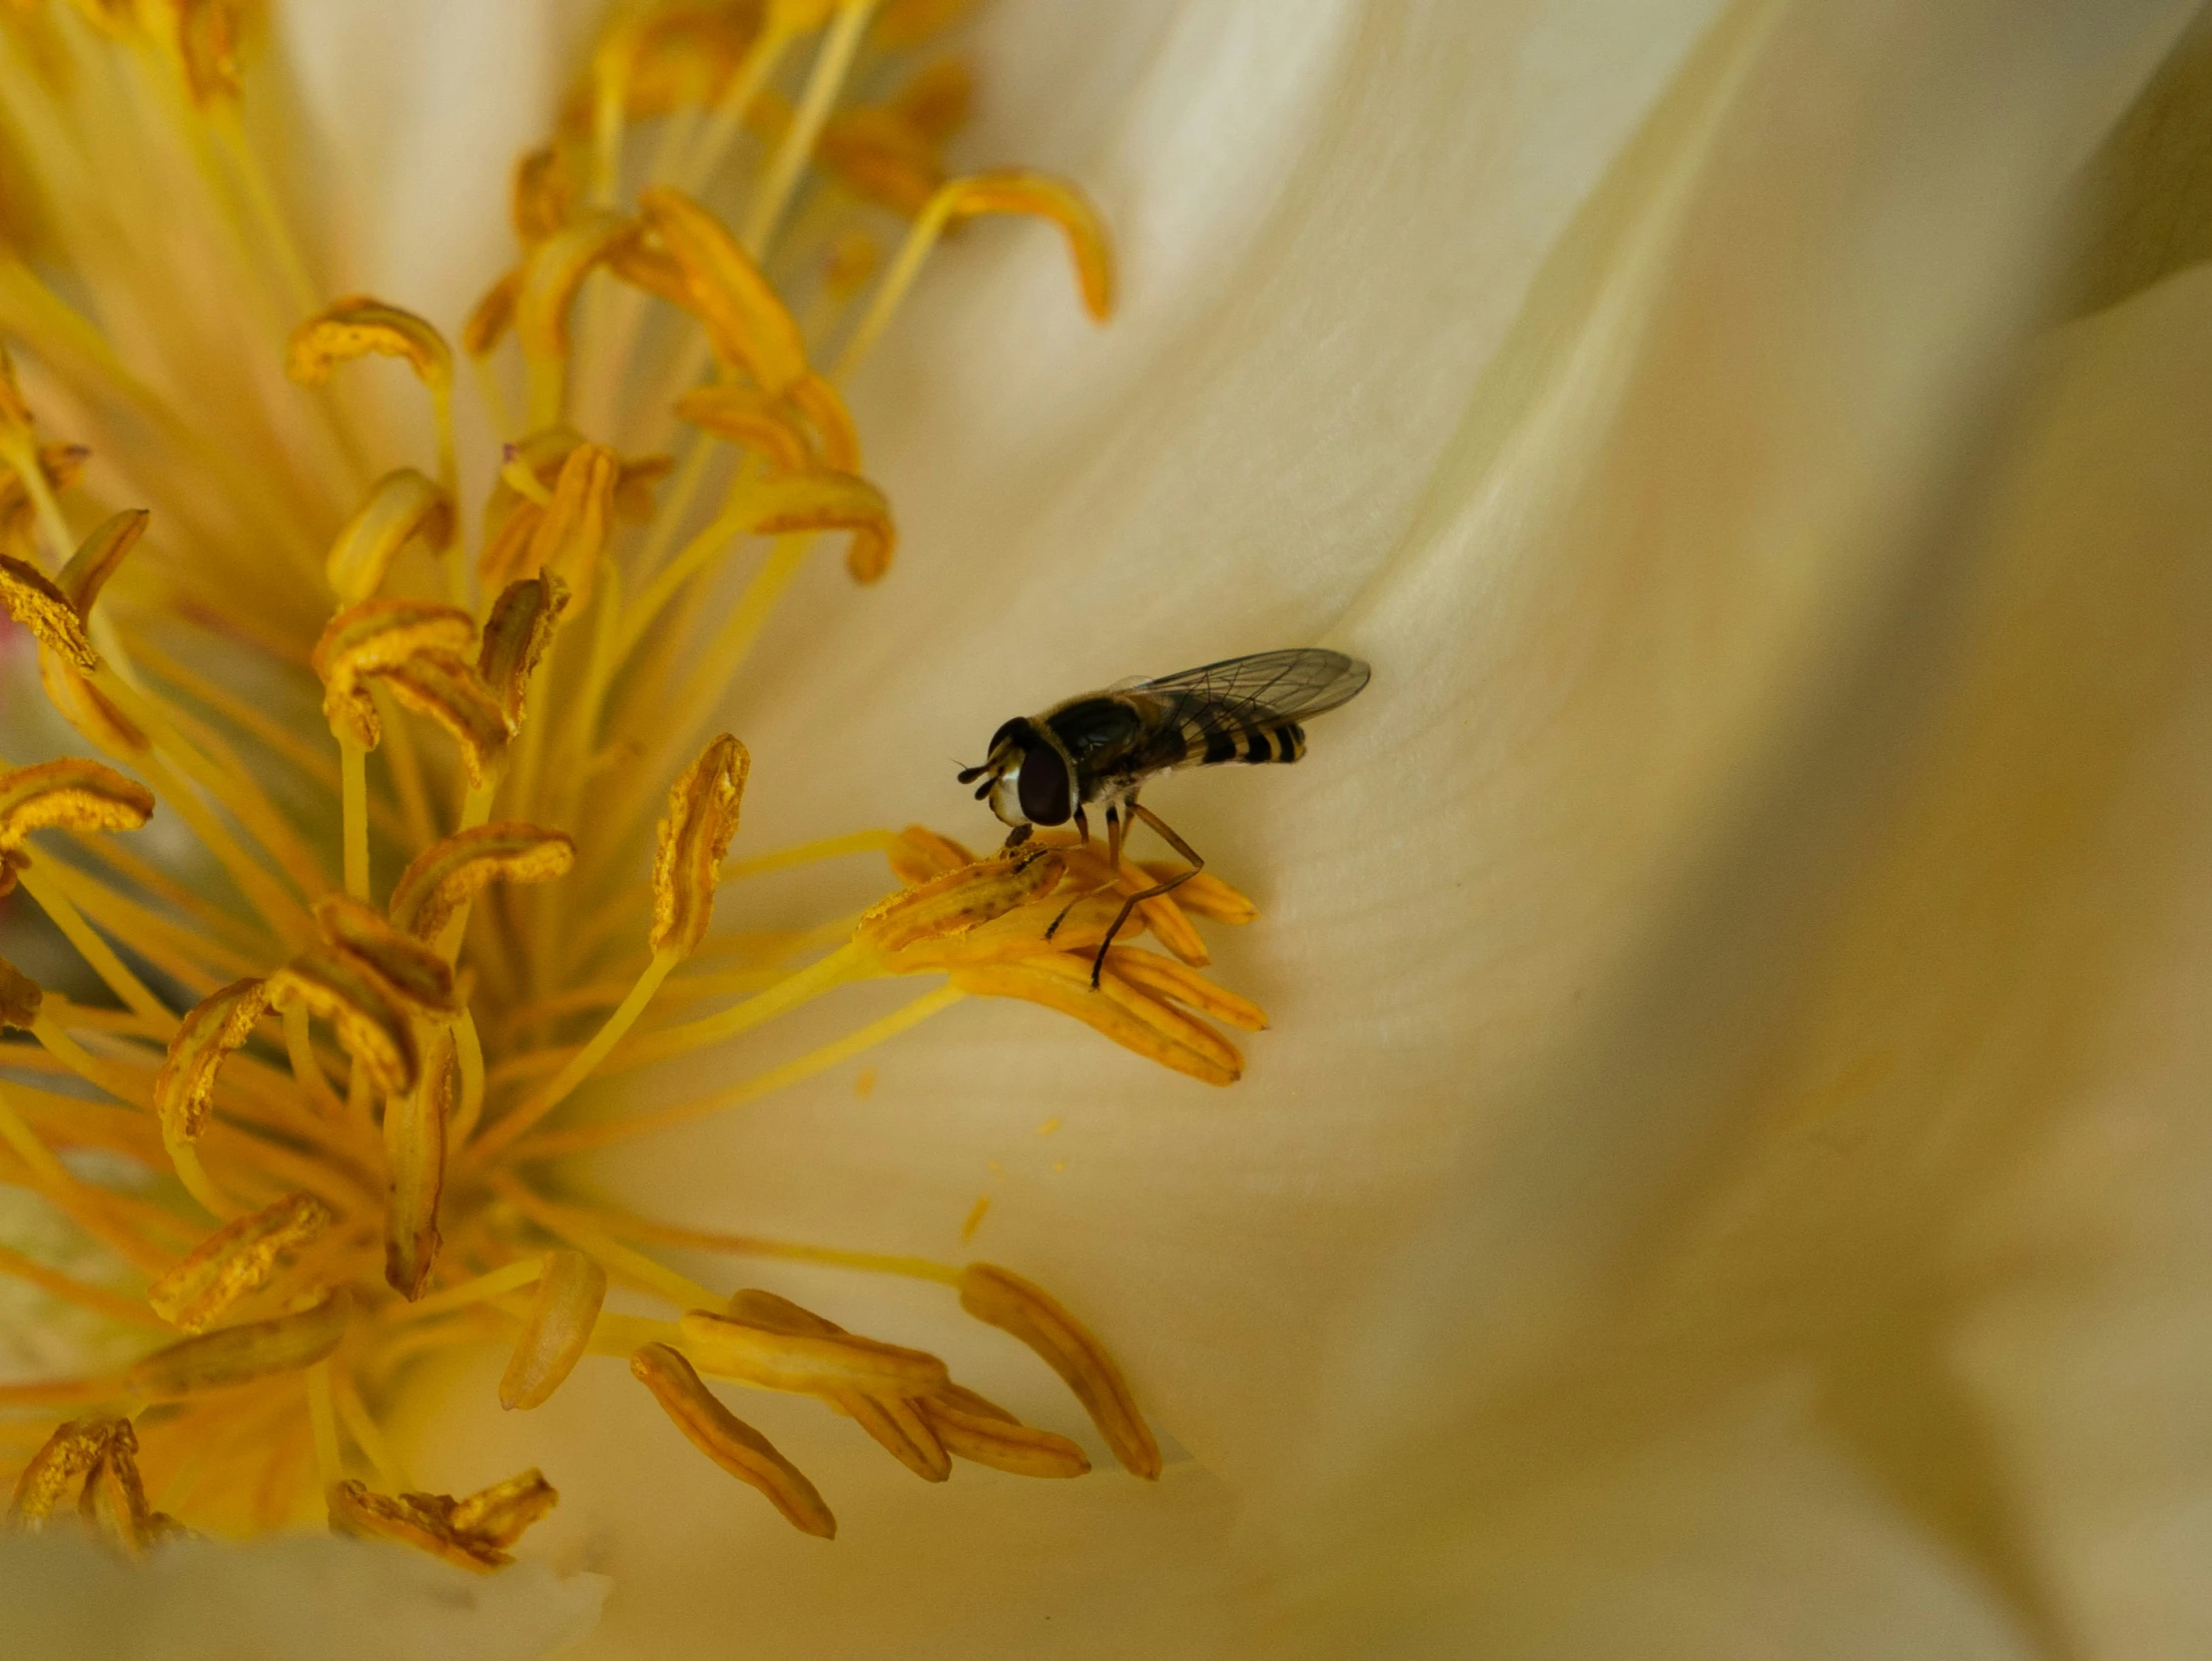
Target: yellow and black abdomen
point(1214, 734)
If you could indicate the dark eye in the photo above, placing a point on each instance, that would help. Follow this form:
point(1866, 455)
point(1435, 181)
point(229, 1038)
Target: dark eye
point(1015, 728)
point(1045, 786)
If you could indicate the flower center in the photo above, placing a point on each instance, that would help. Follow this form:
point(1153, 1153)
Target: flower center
point(308, 1075)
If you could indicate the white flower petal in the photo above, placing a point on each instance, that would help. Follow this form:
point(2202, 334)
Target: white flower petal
point(70, 1599)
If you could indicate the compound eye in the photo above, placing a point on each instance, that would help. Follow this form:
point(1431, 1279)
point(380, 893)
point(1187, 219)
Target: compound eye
point(1046, 798)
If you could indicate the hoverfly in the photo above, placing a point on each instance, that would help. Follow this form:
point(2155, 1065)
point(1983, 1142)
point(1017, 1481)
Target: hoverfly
point(1103, 748)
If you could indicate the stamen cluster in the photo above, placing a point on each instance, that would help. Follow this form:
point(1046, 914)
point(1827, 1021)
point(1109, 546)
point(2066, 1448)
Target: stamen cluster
point(349, 1012)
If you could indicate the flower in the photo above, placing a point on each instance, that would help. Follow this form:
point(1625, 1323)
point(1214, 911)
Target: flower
point(1677, 1070)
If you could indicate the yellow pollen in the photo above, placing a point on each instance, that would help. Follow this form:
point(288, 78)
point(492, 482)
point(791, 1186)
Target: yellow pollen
point(402, 844)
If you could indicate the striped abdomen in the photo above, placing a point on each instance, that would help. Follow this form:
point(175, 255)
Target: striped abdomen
point(1213, 737)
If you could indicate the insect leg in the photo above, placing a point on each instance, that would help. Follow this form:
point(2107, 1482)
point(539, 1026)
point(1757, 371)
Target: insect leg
point(1083, 825)
point(1113, 863)
point(1197, 864)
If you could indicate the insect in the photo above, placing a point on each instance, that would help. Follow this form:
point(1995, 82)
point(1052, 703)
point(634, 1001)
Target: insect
point(1104, 747)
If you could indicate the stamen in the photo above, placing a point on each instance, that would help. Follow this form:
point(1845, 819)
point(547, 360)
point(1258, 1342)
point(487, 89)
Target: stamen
point(987, 1434)
point(213, 1028)
point(728, 1440)
point(703, 809)
point(402, 507)
point(810, 1365)
point(342, 991)
point(69, 1456)
point(469, 1533)
point(557, 1329)
point(1002, 1298)
point(414, 1151)
point(237, 1258)
point(354, 326)
point(447, 876)
point(516, 634)
point(1011, 192)
point(380, 634)
point(553, 271)
point(237, 1354)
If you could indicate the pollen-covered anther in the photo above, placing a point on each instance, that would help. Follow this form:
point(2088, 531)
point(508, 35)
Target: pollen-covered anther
point(36, 601)
point(809, 1364)
point(1017, 191)
point(360, 1006)
point(946, 906)
point(751, 421)
point(449, 691)
point(410, 972)
point(402, 507)
point(379, 634)
point(985, 1433)
point(703, 809)
point(469, 1534)
point(917, 854)
point(64, 1458)
point(216, 1026)
point(516, 634)
point(114, 1494)
point(355, 326)
point(728, 1440)
point(1002, 1298)
point(61, 662)
point(820, 499)
point(61, 466)
point(237, 1354)
point(73, 793)
point(20, 998)
point(894, 1419)
point(414, 1154)
point(1129, 1015)
point(746, 321)
point(565, 537)
point(448, 875)
point(557, 1329)
point(237, 1258)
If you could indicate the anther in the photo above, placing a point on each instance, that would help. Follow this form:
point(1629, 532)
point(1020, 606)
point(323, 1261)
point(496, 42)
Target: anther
point(235, 1260)
point(557, 1329)
point(728, 1440)
point(238, 1355)
point(703, 809)
point(1003, 1299)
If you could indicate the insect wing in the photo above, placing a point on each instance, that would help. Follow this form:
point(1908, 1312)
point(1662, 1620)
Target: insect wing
point(1266, 687)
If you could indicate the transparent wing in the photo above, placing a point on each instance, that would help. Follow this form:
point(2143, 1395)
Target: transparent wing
point(1268, 685)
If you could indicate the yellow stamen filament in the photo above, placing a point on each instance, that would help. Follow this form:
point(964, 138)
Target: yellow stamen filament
point(829, 68)
point(728, 1440)
point(557, 1330)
